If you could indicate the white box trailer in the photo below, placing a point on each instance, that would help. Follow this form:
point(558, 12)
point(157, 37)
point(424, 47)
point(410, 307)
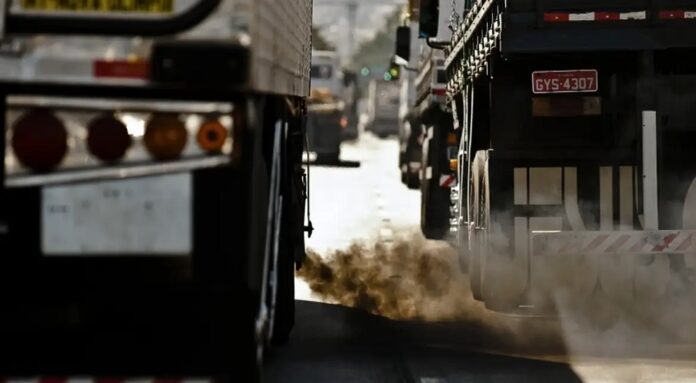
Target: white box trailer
point(152, 194)
point(274, 35)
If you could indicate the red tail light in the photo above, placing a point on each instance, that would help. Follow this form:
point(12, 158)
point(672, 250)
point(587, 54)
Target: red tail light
point(108, 138)
point(165, 137)
point(39, 140)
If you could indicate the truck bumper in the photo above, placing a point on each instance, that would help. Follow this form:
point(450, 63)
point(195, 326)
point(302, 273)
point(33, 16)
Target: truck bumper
point(139, 314)
point(626, 267)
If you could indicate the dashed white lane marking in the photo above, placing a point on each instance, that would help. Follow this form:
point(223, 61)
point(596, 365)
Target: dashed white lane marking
point(386, 234)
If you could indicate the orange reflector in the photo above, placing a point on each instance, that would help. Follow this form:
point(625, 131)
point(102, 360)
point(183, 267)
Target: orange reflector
point(165, 136)
point(108, 138)
point(211, 136)
point(452, 139)
point(344, 122)
point(39, 140)
point(454, 164)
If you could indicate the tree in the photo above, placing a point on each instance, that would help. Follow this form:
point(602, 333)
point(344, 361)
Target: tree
point(378, 51)
point(319, 42)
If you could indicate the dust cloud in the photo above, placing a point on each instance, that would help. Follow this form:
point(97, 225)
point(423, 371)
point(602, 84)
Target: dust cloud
point(416, 280)
point(413, 279)
point(410, 279)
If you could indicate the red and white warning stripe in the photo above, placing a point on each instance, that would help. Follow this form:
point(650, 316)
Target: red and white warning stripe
point(568, 17)
point(447, 181)
point(615, 242)
point(677, 15)
point(563, 17)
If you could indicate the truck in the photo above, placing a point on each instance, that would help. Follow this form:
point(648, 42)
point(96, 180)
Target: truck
point(410, 131)
point(383, 107)
point(577, 179)
point(326, 116)
point(428, 139)
point(152, 194)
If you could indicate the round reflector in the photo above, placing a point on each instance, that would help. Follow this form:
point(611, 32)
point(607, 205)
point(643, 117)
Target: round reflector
point(211, 136)
point(165, 136)
point(108, 138)
point(39, 140)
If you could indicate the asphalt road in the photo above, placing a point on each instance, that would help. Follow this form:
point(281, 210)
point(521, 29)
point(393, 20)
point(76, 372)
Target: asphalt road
point(368, 208)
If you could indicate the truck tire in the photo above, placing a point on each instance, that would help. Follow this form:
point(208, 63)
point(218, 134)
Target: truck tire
point(413, 153)
point(412, 180)
point(434, 199)
point(284, 319)
point(479, 191)
point(282, 279)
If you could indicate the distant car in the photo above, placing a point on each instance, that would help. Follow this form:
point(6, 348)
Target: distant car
point(383, 108)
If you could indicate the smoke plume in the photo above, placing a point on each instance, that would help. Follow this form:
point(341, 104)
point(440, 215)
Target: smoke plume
point(412, 279)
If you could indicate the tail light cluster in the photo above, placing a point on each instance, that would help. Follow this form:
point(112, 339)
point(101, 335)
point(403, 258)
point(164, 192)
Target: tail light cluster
point(45, 137)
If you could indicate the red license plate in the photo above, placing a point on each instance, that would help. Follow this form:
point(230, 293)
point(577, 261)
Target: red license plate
point(565, 81)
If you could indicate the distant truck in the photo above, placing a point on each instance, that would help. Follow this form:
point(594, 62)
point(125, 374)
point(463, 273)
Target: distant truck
point(577, 179)
point(410, 127)
point(152, 194)
point(326, 117)
point(351, 98)
point(383, 108)
point(428, 139)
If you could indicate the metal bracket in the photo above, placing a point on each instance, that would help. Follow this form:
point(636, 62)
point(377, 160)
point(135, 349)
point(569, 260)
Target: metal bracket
point(4, 5)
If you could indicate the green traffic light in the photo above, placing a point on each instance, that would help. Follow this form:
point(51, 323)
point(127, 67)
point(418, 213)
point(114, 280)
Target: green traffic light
point(387, 76)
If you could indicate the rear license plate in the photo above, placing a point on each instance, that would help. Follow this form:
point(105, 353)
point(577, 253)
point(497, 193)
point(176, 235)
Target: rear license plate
point(129, 6)
point(565, 81)
point(151, 216)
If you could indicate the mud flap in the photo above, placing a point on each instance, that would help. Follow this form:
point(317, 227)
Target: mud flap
point(651, 278)
point(505, 276)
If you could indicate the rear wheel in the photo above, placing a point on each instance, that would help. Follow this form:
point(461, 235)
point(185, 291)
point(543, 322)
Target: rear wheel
point(284, 310)
point(412, 180)
point(479, 193)
point(434, 199)
point(282, 246)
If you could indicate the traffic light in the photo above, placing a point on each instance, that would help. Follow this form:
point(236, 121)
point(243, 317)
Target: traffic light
point(394, 73)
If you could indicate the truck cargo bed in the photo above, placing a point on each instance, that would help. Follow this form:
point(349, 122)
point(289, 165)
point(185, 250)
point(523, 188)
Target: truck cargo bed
point(512, 27)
